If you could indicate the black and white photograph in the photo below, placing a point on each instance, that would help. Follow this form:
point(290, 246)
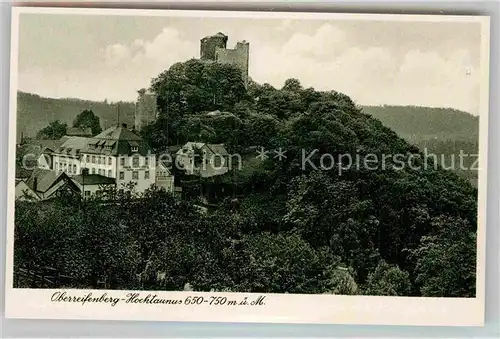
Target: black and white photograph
point(234, 158)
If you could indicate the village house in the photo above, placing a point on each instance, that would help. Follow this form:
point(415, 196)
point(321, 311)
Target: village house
point(117, 154)
point(24, 192)
point(164, 176)
point(202, 159)
point(43, 185)
point(91, 184)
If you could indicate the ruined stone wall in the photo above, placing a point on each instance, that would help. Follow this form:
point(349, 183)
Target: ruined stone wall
point(239, 57)
point(208, 46)
point(145, 110)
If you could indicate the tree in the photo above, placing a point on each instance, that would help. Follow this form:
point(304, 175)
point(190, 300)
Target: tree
point(446, 259)
point(388, 280)
point(87, 119)
point(54, 131)
point(293, 85)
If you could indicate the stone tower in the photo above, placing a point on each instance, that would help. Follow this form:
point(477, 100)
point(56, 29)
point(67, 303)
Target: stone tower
point(210, 43)
point(145, 109)
point(214, 48)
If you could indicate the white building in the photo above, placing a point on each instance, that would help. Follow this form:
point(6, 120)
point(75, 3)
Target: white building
point(116, 153)
point(164, 177)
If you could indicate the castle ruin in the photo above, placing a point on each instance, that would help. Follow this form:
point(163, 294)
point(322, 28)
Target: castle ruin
point(213, 48)
point(145, 109)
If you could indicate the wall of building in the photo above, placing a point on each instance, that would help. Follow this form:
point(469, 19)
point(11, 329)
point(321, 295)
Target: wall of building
point(126, 170)
point(67, 164)
point(100, 164)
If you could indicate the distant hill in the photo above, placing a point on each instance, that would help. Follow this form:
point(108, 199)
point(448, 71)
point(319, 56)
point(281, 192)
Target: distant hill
point(420, 123)
point(442, 131)
point(35, 112)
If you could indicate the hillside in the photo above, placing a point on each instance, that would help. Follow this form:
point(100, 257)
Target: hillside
point(420, 123)
point(310, 222)
point(35, 112)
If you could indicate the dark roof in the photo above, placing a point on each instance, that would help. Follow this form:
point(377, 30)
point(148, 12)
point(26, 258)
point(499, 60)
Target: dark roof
point(45, 179)
point(23, 173)
point(174, 148)
point(114, 141)
point(93, 179)
point(218, 149)
point(43, 143)
point(118, 133)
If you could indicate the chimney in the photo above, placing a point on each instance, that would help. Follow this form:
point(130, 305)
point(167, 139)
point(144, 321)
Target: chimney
point(35, 184)
point(124, 125)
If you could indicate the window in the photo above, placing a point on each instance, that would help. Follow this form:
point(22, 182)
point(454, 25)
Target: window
point(109, 173)
point(99, 160)
point(88, 158)
point(109, 161)
point(93, 170)
point(93, 159)
point(146, 161)
point(100, 172)
point(135, 162)
point(146, 175)
point(218, 161)
point(122, 175)
point(135, 175)
point(74, 168)
point(122, 161)
point(55, 166)
point(87, 193)
point(135, 148)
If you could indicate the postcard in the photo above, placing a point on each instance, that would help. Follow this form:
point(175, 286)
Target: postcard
point(265, 167)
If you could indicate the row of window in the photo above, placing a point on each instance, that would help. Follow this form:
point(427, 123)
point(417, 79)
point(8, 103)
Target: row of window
point(98, 159)
point(135, 161)
point(100, 172)
point(102, 160)
point(135, 175)
point(64, 167)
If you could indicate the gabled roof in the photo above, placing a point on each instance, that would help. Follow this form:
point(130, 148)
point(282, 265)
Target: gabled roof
point(45, 179)
point(218, 149)
point(93, 179)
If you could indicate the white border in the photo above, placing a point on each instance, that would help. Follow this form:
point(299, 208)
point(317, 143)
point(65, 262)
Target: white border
point(279, 308)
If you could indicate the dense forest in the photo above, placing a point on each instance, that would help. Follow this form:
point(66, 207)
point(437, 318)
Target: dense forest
point(35, 112)
point(338, 229)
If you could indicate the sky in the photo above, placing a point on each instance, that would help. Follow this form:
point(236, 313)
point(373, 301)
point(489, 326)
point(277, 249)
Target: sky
point(99, 57)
